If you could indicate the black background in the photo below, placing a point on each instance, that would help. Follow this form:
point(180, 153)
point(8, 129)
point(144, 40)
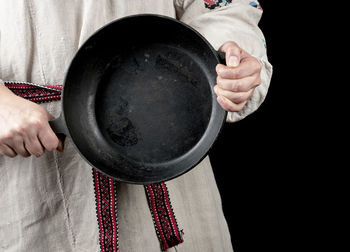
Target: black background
point(269, 167)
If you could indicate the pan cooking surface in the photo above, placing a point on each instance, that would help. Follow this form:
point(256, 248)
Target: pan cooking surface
point(152, 102)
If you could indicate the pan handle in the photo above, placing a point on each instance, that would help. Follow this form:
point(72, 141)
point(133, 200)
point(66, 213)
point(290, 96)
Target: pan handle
point(58, 126)
point(222, 57)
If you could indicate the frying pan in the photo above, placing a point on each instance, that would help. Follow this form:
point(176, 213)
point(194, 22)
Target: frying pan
point(138, 100)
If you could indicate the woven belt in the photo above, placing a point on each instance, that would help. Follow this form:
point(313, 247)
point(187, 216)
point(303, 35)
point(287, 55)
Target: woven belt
point(157, 194)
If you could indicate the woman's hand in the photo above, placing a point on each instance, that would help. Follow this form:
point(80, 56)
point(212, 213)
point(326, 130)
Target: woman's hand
point(237, 80)
point(24, 127)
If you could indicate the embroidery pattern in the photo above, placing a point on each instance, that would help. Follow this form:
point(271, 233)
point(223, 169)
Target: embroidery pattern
point(106, 208)
point(212, 4)
point(163, 215)
point(35, 93)
point(255, 4)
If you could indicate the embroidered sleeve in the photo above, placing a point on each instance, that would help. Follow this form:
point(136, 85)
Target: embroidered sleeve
point(212, 4)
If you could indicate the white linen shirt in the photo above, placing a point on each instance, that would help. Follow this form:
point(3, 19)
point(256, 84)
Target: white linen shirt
point(47, 203)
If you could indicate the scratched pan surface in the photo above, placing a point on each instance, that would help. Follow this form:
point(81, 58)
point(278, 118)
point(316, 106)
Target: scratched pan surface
point(138, 100)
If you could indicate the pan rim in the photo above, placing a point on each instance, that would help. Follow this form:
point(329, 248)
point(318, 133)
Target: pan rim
point(215, 107)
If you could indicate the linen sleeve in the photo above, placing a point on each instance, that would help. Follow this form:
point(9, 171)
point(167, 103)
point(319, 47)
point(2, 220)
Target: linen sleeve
point(220, 21)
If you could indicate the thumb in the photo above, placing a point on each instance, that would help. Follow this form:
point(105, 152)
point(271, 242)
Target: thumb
point(233, 53)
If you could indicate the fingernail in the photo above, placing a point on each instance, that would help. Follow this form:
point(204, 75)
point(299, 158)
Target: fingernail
point(233, 61)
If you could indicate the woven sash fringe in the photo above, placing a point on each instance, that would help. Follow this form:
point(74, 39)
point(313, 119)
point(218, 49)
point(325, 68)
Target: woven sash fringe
point(157, 194)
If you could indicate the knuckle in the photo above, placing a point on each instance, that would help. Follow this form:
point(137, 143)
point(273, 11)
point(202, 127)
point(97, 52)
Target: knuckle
point(240, 106)
point(36, 151)
point(18, 129)
point(219, 69)
point(222, 84)
point(36, 123)
point(237, 72)
point(38, 116)
point(234, 43)
point(5, 137)
point(249, 95)
point(21, 129)
point(9, 135)
point(237, 86)
point(259, 66)
point(231, 44)
point(52, 144)
point(217, 90)
point(218, 80)
point(256, 64)
point(258, 80)
point(240, 97)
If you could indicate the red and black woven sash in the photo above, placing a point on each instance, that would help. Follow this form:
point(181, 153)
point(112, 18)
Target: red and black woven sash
point(157, 194)
point(164, 220)
point(106, 209)
point(35, 93)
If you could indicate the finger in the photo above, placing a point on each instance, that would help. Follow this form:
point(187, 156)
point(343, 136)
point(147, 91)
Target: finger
point(34, 147)
point(239, 85)
point(248, 67)
point(48, 138)
point(232, 53)
point(233, 56)
point(18, 146)
point(32, 143)
point(235, 97)
point(230, 106)
point(7, 151)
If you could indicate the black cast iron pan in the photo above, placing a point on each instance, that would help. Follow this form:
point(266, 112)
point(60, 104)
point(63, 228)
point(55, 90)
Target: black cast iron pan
point(138, 100)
